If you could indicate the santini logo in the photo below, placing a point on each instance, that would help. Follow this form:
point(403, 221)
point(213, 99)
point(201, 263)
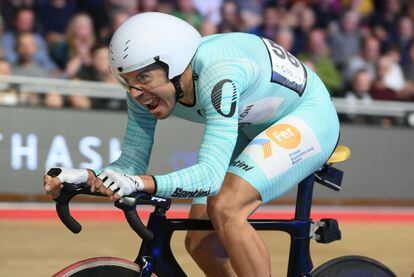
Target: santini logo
point(179, 192)
point(241, 165)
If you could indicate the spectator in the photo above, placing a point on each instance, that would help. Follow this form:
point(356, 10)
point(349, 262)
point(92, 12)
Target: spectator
point(210, 10)
point(325, 13)
point(8, 10)
point(270, 23)
point(54, 15)
point(383, 87)
point(25, 22)
point(231, 20)
point(369, 54)
point(99, 11)
point(360, 87)
point(116, 18)
point(345, 41)
point(74, 52)
point(409, 75)
point(285, 38)
point(395, 77)
point(317, 53)
point(98, 71)
point(208, 28)
point(288, 18)
point(26, 66)
point(148, 5)
point(130, 6)
point(408, 67)
point(99, 68)
point(251, 12)
point(359, 93)
point(304, 27)
point(165, 6)
point(381, 91)
point(386, 16)
point(186, 10)
point(8, 94)
point(405, 37)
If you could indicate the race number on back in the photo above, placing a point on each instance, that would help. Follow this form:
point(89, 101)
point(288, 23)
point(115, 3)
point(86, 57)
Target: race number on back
point(287, 70)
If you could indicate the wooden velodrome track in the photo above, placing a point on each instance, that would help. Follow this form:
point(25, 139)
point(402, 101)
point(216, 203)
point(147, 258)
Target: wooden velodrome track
point(35, 243)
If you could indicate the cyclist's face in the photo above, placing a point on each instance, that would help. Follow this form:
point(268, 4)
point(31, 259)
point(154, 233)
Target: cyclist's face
point(151, 88)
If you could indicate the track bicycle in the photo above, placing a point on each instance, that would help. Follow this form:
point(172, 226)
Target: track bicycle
point(155, 257)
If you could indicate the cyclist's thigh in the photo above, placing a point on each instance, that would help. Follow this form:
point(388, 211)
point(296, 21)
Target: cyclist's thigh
point(290, 149)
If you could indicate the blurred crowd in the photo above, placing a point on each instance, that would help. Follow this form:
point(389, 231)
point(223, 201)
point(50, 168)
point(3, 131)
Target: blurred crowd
point(361, 49)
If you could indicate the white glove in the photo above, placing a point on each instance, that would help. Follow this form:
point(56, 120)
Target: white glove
point(121, 183)
point(72, 175)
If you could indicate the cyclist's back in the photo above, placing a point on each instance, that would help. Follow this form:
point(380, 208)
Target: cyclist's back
point(270, 82)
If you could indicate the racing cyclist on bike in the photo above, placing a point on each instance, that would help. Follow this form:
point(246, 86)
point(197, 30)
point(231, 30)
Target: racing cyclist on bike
point(269, 123)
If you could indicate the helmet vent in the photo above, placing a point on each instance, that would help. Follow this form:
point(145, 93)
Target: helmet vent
point(125, 56)
point(127, 42)
point(126, 49)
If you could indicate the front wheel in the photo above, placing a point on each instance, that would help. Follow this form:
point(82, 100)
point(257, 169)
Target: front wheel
point(351, 266)
point(101, 266)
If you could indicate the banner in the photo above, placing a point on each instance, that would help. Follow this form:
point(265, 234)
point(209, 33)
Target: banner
point(33, 139)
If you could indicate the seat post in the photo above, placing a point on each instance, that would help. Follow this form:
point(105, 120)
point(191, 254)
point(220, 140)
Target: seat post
point(304, 198)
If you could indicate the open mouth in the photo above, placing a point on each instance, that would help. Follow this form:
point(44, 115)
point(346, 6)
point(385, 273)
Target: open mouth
point(153, 103)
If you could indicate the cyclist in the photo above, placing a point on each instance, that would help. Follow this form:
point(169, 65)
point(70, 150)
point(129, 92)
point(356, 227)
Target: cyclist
point(269, 122)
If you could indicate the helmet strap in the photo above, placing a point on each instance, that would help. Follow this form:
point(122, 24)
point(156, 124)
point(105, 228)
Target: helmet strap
point(179, 93)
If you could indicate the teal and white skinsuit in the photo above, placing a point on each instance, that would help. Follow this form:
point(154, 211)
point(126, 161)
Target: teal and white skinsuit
point(269, 119)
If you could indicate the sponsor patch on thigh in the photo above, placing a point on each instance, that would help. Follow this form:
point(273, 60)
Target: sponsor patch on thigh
point(283, 145)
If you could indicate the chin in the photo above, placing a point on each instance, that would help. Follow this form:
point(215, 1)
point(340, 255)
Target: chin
point(163, 115)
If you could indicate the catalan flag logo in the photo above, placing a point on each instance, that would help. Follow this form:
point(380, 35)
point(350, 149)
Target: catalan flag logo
point(266, 146)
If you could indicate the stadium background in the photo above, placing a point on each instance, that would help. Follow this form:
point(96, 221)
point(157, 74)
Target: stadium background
point(59, 105)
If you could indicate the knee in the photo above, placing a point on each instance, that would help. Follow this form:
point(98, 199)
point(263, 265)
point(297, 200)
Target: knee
point(220, 210)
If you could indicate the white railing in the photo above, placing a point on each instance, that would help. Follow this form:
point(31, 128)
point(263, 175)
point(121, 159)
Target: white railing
point(64, 87)
point(115, 91)
point(374, 108)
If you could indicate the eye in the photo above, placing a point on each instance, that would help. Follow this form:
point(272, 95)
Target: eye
point(143, 78)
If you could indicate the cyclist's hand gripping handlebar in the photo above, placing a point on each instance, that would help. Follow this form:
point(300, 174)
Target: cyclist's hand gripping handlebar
point(127, 204)
point(62, 201)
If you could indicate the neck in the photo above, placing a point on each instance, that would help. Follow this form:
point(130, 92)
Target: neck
point(187, 84)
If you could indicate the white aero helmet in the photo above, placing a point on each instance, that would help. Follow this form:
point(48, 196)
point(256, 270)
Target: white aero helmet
point(150, 37)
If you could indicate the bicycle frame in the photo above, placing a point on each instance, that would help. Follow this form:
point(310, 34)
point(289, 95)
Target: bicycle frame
point(155, 256)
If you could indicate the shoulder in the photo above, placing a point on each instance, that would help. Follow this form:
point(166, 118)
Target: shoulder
point(230, 49)
point(227, 39)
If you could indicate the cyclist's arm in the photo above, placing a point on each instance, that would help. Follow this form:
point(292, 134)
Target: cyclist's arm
point(219, 139)
point(138, 141)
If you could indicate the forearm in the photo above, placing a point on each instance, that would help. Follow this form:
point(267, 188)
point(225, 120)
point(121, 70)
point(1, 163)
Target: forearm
point(149, 184)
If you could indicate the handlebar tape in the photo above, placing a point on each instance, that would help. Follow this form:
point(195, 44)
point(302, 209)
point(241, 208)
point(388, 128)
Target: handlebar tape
point(67, 219)
point(136, 224)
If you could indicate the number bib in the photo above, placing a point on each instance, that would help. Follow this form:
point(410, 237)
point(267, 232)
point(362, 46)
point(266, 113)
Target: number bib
point(287, 70)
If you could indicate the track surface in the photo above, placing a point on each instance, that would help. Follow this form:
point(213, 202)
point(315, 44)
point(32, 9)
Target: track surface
point(35, 243)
